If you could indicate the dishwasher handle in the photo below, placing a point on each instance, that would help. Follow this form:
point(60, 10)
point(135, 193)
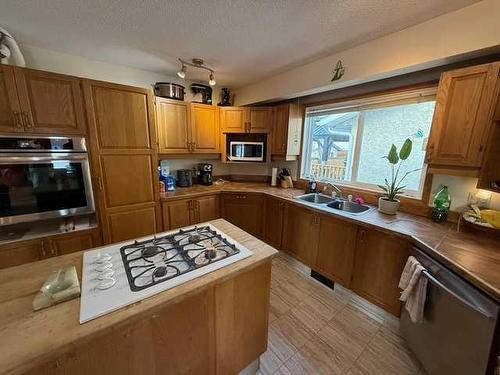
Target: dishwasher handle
point(440, 285)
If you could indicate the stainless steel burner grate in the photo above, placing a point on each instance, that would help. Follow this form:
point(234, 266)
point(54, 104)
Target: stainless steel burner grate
point(151, 262)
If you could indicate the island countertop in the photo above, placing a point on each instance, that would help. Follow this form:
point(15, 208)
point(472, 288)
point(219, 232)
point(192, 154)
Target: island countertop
point(30, 338)
point(474, 257)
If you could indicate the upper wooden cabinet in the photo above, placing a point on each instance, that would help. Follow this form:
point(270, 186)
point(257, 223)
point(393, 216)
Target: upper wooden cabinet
point(40, 102)
point(378, 264)
point(490, 172)
point(287, 132)
point(462, 118)
point(336, 246)
point(301, 233)
point(11, 117)
point(124, 159)
point(185, 128)
point(246, 120)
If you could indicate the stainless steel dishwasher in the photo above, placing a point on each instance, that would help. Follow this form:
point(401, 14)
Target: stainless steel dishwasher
point(457, 332)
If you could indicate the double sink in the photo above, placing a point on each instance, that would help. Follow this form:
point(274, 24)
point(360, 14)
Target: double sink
point(337, 204)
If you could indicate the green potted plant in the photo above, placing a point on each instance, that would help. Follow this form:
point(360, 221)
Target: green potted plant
point(393, 188)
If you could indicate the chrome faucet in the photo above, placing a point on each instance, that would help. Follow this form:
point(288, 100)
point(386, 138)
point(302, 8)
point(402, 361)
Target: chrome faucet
point(335, 187)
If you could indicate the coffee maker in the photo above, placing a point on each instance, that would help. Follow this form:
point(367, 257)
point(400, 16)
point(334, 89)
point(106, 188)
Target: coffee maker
point(205, 173)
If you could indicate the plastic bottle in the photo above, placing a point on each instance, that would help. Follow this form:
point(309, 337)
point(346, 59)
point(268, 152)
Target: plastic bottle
point(442, 202)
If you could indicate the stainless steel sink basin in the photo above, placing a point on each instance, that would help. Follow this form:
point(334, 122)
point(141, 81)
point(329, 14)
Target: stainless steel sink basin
point(315, 198)
point(350, 207)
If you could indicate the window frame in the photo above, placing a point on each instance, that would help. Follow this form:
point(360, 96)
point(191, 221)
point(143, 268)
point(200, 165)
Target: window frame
point(409, 95)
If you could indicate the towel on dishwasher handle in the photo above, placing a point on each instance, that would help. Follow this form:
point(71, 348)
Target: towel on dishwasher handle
point(414, 286)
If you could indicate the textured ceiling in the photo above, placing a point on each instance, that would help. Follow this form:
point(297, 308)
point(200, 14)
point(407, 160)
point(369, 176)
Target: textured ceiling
point(243, 40)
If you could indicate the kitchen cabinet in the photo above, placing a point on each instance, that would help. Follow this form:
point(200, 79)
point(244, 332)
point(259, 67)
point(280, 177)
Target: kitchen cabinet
point(490, 172)
point(220, 329)
point(274, 214)
point(185, 128)
point(40, 102)
point(16, 253)
point(287, 132)
point(462, 119)
point(10, 109)
point(301, 233)
point(184, 212)
point(243, 210)
point(246, 120)
point(336, 248)
point(242, 318)
point(124, 159)
point(379, 261)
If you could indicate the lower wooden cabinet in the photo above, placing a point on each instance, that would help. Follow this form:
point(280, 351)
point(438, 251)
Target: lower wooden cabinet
point(184, 212)
point(336, 247)
point(301, 233)
point(274, 214)
point(16, 253)
point(218, 330)
point(243, 210)
point(378, 264)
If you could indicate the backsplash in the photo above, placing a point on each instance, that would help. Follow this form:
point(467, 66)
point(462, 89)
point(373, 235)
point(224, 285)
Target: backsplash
point(223, 169)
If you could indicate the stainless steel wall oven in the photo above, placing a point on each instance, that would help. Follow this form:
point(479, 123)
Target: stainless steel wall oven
point(43, 177)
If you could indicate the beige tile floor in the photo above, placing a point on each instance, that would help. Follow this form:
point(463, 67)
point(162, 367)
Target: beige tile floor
point(315, 330)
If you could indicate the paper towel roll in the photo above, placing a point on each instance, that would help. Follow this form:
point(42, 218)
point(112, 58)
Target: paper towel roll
point(274, 177)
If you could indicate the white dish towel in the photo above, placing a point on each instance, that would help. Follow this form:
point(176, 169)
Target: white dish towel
point(414, 286)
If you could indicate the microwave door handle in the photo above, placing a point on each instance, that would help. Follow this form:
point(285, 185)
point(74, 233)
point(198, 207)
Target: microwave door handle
point(440, 285)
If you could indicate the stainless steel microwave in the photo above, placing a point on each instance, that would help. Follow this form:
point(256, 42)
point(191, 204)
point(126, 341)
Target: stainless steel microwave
point(43, 177)
point(246, 151)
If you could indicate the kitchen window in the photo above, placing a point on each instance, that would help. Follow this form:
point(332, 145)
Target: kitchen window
point(345, 142)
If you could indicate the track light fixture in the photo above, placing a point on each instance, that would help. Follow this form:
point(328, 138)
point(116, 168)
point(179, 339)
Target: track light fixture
point(196, 63)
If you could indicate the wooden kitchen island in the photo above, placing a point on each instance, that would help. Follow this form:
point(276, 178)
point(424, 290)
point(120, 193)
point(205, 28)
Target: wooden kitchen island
point(214, 324)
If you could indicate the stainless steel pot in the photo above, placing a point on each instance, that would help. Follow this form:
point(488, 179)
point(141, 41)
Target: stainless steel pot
point(169, 90)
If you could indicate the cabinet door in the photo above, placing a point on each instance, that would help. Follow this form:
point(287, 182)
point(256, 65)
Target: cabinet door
point(206, 209)
point(124, 159)
point(51, 103)
point(241, 318)
point(378, 264)
point(172, 118)
point(301, 233)
point(244, 211)
point(131, 224)
point(10, 110)
point(72, 242)
point(463, 116)
point(260, 119)
point(280, 131)
point(14, 254)
point(274, 211)
point(233, 119)
point(336, 246)
point(204, 128)
point(177, 214)
point(490, 172)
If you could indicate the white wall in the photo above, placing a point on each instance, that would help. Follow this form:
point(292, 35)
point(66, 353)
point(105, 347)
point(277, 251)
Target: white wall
point(441, 40)
point(57, 62)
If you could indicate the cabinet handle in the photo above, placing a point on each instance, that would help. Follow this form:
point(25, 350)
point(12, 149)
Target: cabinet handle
point(27, 120)
point(99, 183)
point(43, 250)
point(481, 147)
point(193, 145)
point(51, 248)
point(362, 235)
point(18, 119)
point(197, 205)
point(283, 148)
point(190, 205)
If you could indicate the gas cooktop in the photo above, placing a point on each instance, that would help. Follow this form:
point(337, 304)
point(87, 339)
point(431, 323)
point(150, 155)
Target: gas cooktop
point(159, 259)
point(118, 275)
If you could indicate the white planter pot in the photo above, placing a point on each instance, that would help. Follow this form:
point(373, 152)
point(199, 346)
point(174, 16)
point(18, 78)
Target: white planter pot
point(388, 207)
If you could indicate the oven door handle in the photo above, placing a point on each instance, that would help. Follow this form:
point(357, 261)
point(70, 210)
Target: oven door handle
point(440, 285)
point(40, 158)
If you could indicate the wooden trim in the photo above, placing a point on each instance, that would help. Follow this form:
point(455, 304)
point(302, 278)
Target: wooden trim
point(402, 89)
